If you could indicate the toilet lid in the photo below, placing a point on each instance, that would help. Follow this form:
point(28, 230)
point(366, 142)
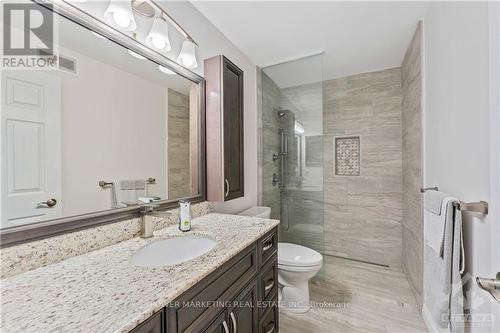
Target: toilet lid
point(297, 255)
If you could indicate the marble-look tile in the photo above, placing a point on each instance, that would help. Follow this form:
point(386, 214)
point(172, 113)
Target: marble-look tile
point(412, 163)
point(178, 150)
point(102, 291)
point(363, 213)
point(362, 298)
point(28, 256)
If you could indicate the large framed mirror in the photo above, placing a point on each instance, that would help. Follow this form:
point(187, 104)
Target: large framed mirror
point(115, 126)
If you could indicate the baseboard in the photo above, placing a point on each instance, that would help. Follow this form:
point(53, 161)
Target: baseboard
point(416, 295)
point(431, 325)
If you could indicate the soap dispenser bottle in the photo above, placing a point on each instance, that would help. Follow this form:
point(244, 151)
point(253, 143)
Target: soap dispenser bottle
point(184, 215)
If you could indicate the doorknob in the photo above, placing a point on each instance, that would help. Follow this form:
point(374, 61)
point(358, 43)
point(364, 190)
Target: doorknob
point(491, 285)
point(47, 204)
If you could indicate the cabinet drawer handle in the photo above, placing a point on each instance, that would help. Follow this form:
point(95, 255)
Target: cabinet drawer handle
point(227, 187)
point(226, 329)
point(271, 330)
point(233, 319)
point(269, 285)
point(267, 246)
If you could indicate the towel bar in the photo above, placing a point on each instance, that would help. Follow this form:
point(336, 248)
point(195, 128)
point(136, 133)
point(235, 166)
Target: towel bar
point(476, 207)
point(104, 184)
point(425, 189)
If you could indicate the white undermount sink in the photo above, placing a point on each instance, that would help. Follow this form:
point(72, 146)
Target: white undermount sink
point(172, 251)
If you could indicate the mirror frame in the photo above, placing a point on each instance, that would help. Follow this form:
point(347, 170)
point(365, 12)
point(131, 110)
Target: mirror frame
point(39, 230)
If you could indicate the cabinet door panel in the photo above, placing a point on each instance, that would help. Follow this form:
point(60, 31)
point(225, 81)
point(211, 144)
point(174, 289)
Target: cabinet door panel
point(219, 325)
point(233, 130)
point(152, 325)
point(243, 314)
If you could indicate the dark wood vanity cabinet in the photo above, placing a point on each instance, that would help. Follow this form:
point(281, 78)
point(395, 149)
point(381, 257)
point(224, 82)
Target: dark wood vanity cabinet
point(155, 324)
point(238, 297)
point(224, 121)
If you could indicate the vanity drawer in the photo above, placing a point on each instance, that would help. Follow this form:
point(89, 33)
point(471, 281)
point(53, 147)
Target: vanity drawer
point(267, 247)
point(268, 278)
point(193, 308)
point(270, 321)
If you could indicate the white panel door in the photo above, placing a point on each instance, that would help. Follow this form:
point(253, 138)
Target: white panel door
point(31, 147)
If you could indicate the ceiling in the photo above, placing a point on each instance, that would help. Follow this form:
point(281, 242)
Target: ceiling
point(355, 37)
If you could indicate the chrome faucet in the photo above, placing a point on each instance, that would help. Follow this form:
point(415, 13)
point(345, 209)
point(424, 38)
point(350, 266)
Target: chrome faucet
point(147, 224)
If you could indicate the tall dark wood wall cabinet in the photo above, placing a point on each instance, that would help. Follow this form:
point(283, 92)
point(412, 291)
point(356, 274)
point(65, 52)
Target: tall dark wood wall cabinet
point(224, 121)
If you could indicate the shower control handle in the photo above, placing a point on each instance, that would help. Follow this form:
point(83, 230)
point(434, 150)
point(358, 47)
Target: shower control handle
point(276, 179)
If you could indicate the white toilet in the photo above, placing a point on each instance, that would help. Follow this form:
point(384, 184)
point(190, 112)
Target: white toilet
point(296, 266)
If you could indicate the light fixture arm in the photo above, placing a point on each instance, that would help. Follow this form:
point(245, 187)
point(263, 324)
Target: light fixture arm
point(138, 7)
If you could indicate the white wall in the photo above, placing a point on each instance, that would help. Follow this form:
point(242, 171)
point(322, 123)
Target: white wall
point(113, 128)
point(456, 123)
point(212, 42)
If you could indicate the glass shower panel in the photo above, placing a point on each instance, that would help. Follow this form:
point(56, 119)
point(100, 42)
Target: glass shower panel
point(292, 149)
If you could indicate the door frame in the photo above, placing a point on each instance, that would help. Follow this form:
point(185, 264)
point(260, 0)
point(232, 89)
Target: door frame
point(494, 205)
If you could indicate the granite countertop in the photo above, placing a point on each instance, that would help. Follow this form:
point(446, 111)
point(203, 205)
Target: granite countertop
point(101, 291)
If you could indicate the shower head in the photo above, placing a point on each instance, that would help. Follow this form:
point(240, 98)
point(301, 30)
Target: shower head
point(282, 113)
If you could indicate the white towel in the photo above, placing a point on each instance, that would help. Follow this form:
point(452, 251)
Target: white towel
point(433, 201)
point(442, 288)
point(435, 219)
point(129, 191)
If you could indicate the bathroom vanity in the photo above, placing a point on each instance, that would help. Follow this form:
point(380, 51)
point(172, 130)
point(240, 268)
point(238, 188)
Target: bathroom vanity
point(232, 288)
point(244, 291)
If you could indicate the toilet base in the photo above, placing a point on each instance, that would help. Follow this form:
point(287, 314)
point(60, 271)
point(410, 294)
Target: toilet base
point(295, 298)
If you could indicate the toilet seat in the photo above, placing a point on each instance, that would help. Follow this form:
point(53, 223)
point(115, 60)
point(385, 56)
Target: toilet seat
point(299, 269)
point(293, 257)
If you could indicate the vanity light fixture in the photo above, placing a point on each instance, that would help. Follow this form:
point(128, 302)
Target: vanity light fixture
point(187, 56)
point(158, 35)
point(120, 13)
point(150, 9)
point(165, 70)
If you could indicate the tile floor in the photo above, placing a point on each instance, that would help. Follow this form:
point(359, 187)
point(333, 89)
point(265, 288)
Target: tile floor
point(369, 298)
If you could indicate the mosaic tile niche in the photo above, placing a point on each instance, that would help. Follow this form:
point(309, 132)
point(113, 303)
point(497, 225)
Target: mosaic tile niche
point(347, 156)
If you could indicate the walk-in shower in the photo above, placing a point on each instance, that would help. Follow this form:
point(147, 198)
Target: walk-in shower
point(292, 149)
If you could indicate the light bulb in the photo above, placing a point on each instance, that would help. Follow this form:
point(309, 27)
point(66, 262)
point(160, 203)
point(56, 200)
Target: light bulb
point(187, 56)
point(119, 14)
point(187, 61)
point(158, 35)
point(123, 20)
point(158, 43)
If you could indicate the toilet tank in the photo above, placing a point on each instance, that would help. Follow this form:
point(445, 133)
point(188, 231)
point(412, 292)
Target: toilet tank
point(257, 211)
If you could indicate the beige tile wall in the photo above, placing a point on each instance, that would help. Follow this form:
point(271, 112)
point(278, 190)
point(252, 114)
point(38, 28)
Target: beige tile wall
point(412, 163)
point(271, 101)
point(363, 213)
point(179, 177)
